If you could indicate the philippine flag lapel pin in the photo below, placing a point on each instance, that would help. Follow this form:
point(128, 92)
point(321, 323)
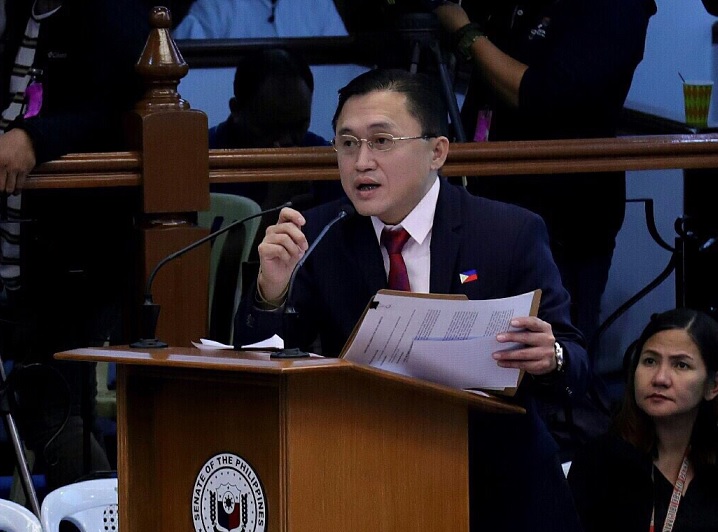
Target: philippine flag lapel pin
point(468, 276)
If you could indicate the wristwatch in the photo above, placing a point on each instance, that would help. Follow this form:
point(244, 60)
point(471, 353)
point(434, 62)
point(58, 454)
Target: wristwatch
point(558, 354)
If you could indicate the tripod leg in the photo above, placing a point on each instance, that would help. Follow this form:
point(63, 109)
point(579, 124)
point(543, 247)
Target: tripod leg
point(415, 57)
point(25, 477)
point(450, 97)
point(448, 93)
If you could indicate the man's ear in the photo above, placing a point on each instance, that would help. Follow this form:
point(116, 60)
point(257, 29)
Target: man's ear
point(440, 152)
point(711, 387)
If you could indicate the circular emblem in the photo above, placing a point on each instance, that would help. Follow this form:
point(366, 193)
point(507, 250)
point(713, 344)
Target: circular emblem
point(228, 497)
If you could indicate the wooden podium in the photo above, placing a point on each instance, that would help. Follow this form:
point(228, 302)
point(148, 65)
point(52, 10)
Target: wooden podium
point(219, 440)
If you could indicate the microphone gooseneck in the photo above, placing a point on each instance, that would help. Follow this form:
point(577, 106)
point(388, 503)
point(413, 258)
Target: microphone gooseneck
point(150, 310)
point(289, 312)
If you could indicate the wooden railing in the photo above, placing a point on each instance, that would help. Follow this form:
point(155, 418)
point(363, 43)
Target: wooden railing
point(172, 168)
point(472, 159)
point(492, 158)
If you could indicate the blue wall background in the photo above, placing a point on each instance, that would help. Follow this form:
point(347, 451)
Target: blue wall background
point(679, 40)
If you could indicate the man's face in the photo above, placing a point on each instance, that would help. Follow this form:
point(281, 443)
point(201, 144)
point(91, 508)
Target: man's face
point(386, 184)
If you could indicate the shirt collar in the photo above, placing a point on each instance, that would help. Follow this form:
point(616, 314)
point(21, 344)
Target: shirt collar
point(419, 221)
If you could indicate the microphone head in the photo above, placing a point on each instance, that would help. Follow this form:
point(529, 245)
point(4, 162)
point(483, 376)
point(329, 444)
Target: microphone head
point(348, 210)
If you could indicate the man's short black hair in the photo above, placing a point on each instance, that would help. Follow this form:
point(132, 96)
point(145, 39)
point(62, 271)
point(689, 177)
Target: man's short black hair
point(256, 66)
point(424, 97)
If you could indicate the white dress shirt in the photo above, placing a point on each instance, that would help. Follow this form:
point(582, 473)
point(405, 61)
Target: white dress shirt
point(417, 250)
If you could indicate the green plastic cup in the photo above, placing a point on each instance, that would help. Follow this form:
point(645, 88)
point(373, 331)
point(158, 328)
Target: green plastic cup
point(697, 99)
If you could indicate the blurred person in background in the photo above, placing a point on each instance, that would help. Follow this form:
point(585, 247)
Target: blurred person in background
point(271, 108)
point(67, 77)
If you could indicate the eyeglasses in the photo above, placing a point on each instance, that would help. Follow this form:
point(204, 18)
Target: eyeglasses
point(349, 144)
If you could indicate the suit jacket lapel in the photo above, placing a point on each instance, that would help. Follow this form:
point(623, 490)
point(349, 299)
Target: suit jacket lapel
point(445, 241)
point(364, 250)
point(445, 244)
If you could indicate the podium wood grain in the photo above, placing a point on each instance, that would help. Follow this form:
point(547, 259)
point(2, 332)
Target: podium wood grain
point(336, 446)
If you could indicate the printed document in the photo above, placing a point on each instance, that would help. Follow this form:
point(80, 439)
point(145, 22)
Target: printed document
point(445, 339)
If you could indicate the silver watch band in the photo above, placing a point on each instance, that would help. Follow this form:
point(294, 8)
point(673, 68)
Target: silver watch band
point(558, 354)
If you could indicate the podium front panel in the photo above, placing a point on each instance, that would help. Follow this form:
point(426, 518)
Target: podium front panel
point(370, 455)
point(329, 450)
point(176, 421)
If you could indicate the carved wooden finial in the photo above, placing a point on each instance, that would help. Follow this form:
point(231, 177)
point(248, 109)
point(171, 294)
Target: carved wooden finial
point(161, 65)
point(160, 17)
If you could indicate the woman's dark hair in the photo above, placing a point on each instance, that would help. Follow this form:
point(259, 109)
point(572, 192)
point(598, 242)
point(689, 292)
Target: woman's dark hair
point(424, 98)
point(634, 425)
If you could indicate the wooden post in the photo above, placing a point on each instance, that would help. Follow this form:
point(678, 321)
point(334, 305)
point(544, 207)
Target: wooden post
point(172, 140)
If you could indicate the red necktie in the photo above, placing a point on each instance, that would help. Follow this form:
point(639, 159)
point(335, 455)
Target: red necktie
point(394, 241)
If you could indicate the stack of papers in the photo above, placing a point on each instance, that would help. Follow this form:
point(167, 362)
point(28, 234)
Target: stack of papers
point(273, 343)
point(440, 338)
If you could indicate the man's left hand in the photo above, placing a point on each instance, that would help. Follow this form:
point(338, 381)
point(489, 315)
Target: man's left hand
point(536, 356)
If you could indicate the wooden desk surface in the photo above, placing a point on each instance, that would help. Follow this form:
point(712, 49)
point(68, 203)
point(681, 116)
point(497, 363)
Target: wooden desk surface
point(259, 362)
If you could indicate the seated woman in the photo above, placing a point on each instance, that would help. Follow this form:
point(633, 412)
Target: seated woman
point(656, 468)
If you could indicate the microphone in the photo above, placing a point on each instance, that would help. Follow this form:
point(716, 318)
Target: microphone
point(289, 312)
point(150, 310)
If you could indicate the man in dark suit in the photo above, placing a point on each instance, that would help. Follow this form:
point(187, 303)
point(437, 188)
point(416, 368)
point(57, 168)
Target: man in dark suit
point(390, 144)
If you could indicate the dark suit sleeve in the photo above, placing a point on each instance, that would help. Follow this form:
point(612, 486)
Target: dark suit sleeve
point(251, 324)
point(534, 267)
point(331, 290)
point(88, 92)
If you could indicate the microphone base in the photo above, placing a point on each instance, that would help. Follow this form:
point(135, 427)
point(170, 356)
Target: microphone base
point(148, 343)
point(289, 353)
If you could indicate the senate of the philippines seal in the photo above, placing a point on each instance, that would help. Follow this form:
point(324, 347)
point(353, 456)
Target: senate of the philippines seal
point(228, 496)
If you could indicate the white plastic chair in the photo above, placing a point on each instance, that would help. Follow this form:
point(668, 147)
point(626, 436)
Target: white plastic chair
point(17, 518)
point(90, 505)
